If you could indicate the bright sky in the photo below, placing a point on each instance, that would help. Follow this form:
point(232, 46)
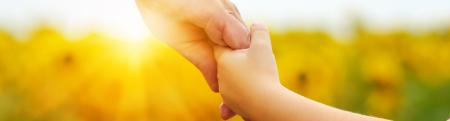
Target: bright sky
point(121, 18)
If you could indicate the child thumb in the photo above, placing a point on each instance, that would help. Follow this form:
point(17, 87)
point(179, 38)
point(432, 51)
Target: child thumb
point(260, 40)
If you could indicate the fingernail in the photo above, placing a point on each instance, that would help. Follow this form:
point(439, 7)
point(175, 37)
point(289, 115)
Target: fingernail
point(258, 24)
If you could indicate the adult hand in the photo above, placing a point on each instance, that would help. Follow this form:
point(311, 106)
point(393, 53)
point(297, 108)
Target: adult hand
point(191, 26)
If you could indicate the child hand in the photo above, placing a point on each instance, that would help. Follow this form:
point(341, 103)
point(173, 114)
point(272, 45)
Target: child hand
point(246, 74)
point(250, 86)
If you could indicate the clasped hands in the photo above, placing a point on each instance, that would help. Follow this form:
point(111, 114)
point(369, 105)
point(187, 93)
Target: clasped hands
point(236, 61)
point(200, 26)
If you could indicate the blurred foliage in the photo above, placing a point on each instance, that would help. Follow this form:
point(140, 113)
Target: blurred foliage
point(398, 74)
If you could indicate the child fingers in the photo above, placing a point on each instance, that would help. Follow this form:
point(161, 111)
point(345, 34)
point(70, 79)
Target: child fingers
point(260, 39)
point(226, 112)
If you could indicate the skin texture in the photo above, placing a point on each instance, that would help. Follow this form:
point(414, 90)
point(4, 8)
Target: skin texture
point(206, 31)
point(192, 27)
point(250, 86)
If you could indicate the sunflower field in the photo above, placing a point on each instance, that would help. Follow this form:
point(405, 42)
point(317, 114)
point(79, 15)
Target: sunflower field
point(397, 74)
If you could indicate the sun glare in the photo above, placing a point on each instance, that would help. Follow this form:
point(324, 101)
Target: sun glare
point(132, 51)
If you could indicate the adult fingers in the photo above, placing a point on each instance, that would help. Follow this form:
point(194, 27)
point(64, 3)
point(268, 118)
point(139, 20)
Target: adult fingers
point(233, 10)
point(215, 30)
point(226, 29)
point(190, 41)
point(202, 56)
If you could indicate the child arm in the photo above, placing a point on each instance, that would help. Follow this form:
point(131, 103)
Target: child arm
point(250, 86)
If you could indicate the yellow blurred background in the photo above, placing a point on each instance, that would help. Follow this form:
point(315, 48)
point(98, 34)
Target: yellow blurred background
point(48, 73)
point(398, 75)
